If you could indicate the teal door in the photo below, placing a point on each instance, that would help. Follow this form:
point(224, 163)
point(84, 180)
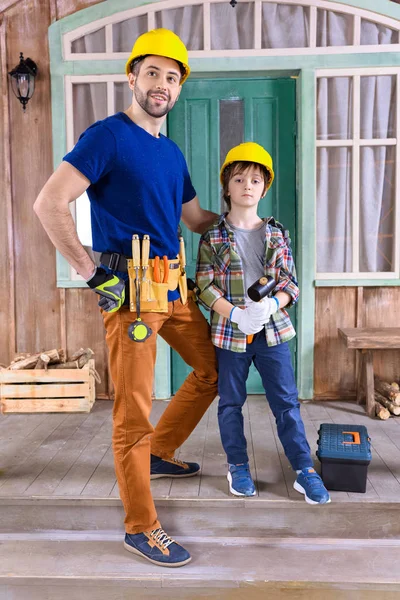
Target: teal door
point(211, 117)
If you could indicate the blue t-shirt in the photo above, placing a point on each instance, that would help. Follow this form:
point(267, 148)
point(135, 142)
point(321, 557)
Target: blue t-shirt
point(138, 185)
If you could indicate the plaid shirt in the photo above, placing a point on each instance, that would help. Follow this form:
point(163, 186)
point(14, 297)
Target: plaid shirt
point(219, 274)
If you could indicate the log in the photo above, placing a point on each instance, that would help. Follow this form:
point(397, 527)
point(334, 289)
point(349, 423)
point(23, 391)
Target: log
point(43, 361)
point(30, 361)
point(77, 364)
point(381, 412)
point(61, 354)
point(21, 356)
point(388, 391)
point(77, 354)
point(395, 410)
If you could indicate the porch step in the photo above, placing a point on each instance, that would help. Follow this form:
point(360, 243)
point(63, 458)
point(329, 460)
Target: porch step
point(87, 566)
point(63, 548)
point(208, 518)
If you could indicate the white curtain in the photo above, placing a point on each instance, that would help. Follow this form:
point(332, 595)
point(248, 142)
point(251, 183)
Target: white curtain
point(378, 97)
point(377, 193)
point(334, 29)
point(285, 26)
point(288, 26)
point(89, 99)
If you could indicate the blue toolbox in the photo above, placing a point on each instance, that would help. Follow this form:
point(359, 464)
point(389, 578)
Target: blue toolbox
point(345, 453)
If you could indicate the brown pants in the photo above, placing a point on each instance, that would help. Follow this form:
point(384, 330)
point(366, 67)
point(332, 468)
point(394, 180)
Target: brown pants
point(132, 370)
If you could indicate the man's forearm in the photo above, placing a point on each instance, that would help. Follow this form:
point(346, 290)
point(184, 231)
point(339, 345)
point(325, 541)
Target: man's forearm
point(207, 219)
point(60, 227)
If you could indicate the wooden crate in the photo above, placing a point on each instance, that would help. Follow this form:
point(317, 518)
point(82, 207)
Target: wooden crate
point(52, 391)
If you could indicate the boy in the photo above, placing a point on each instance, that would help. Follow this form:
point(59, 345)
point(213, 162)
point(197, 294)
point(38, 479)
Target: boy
point(234, 252)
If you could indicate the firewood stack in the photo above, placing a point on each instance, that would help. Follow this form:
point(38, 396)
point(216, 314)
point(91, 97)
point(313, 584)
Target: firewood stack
point(51, 359)
point(387, 399)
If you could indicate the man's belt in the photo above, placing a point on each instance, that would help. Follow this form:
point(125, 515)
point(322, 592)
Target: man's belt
point(119, 262)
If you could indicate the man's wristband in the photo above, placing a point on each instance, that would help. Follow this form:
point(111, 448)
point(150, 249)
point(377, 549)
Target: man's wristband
point(230, 314)
point(99, 277)
point(92, 275)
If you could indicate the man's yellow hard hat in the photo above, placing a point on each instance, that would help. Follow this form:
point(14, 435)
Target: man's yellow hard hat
point(249, 152)
point(160, 42)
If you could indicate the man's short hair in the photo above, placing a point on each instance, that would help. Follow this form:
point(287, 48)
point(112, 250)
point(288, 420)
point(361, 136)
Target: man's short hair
point(136, 63)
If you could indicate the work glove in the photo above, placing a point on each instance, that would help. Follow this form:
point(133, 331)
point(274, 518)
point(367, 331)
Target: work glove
point(248, 323)
point(110, 287)
point(264, 309)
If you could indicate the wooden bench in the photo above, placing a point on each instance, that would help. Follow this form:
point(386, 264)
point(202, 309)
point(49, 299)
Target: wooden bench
point(365, 340)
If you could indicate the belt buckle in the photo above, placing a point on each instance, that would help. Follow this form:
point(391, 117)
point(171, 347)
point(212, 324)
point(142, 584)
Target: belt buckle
point(114, 261)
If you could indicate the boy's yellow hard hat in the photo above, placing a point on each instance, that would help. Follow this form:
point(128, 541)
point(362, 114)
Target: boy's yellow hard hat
point(160, 42)
point(249, 152)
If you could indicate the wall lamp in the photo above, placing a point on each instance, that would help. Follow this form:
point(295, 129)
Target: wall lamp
point(23, 79)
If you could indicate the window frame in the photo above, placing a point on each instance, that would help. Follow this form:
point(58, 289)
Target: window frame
point(357, 13)
point(355, 277)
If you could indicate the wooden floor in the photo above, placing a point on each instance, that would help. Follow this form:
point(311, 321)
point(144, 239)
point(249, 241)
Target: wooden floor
point(70, 454)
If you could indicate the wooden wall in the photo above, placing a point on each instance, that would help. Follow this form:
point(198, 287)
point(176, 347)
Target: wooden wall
point(335, 366)
point(34, 313)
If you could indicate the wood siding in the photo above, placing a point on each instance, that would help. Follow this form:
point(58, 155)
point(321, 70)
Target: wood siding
point(335, 366)
point(36, 315)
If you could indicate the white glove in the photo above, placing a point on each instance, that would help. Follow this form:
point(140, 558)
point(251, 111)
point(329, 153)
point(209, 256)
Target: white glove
point(263, 310)
point(247, 323)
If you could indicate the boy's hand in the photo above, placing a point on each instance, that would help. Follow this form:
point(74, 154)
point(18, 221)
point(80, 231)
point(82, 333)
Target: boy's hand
point(248, 323)
point(110, 288)
point(264, 309)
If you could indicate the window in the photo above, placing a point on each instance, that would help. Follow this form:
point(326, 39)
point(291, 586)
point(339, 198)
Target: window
point(358, 200)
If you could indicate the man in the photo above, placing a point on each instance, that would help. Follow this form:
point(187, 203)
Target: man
point(138, 183)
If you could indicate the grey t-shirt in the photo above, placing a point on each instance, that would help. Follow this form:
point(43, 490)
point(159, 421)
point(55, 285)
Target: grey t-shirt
point(251, 249)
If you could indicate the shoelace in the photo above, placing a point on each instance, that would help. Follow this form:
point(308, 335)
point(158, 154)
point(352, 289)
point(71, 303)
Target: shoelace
point(161, 538)
point(177, 461)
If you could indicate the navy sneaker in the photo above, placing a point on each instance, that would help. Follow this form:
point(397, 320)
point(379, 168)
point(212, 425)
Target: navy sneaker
point(172, 467)
point(240, 481)
point(157, 547)
point(310, 484)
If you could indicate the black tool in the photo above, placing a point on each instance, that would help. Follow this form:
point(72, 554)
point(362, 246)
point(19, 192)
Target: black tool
point(257, 291)
point(261, 288)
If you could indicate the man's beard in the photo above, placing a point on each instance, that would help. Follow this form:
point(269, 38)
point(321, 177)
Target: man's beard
point(144, 101)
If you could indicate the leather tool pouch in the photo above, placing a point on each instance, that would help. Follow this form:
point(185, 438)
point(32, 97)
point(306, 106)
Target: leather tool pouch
point(153, 295)
point(183, 289)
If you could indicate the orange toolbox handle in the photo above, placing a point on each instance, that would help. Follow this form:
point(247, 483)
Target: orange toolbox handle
point(356, 437)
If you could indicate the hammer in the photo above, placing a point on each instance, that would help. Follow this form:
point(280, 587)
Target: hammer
point(257, 291)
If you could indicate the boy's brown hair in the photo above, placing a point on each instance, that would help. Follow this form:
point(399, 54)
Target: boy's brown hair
point(241, 167)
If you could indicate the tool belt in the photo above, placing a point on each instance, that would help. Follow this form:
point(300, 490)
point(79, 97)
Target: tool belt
point(155, 286)
point(150, 280)
point(114, 261)
point(119, 262)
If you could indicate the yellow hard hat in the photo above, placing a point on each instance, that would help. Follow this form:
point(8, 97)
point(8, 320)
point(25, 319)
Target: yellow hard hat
point(249, 152)
point(160, 42)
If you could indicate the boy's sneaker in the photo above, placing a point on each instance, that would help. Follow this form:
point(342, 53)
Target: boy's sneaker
point(240, 481)
point(157, 547)
point(310, 484)
point(172, 467)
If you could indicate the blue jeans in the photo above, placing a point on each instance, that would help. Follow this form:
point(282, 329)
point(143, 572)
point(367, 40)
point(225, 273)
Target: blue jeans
point(275, 367)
